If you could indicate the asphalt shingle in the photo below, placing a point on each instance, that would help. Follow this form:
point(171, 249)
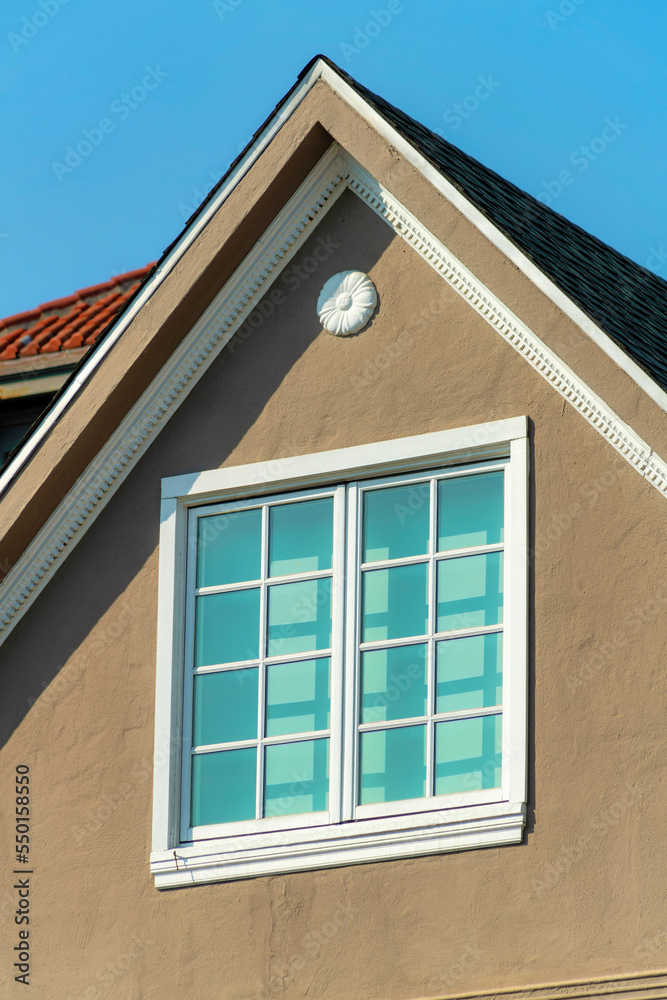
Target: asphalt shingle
point(627, 300)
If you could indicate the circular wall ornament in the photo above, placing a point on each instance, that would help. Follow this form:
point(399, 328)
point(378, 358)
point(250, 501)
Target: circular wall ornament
point(346, 303)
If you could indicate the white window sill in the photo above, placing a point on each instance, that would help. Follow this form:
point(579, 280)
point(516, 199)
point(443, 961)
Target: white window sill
point(437, 832)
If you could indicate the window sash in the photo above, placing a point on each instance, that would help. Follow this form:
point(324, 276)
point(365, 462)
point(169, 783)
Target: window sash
point(188, 832)
point(352, 808)
point(345, 729)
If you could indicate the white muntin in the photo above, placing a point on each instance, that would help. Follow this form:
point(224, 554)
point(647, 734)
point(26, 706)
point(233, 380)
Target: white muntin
point(346, 303)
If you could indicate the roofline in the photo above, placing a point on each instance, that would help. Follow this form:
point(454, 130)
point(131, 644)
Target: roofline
point(323, 68)
point(68, 300)
point(333, 76)
point(168, 261)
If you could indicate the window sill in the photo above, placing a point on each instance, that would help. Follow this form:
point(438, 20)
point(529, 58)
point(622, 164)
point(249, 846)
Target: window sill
point(489, 825)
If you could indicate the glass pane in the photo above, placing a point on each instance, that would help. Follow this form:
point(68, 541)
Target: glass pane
point(396, 522)
point(225, 707)
point(229, 548)
point(394, 602)
point(470, 511)
point(468, 755)
point(297, 778)
point(297, 697)
point(393, 683)
point(470, 672)
point(300, 537)
point(299, 617)
point(227, 627)
point(470, 591)
point(223, 786)
point(393, 765)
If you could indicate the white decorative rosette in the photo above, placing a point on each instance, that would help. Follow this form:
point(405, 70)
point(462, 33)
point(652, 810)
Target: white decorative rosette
point(346, 303)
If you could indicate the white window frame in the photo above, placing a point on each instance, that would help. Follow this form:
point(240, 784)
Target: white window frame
point(397, 829)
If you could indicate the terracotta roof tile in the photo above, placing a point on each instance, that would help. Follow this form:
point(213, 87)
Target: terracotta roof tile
point(74, 321)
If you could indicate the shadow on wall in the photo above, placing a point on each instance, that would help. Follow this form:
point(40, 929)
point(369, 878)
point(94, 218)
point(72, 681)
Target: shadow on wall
point(38, 667)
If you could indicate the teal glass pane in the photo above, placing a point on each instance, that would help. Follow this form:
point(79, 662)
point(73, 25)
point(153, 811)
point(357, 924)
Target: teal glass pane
point(296, 777)
point(392, 765)
point(470, 591)
point(469, 672)
point(396, 522)
point(394, 602)
point(393, 683)
point(470, 511)
point(468, 755)
point(229, 548)
point(299, 617)
point(300, 537)
point(223, 786)
point(297, 697)
point(225, 707)
point(227, 627)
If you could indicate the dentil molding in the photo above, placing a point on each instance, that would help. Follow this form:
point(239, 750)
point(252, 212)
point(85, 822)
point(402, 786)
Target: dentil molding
point(335, 173)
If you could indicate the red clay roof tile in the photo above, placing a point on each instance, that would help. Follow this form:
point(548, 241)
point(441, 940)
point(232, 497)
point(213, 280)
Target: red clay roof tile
point(70, 322)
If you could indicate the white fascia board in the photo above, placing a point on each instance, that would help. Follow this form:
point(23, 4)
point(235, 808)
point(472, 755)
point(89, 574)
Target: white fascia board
point(322, 70)
point(495, 236)
point(164, 267)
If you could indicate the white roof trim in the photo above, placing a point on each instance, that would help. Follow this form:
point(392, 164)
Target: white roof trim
point(335, 173)
point(498, 238)
point(164, 267)
point(321, 70)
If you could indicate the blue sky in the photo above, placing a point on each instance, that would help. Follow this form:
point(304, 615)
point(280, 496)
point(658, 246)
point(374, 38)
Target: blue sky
point(567, 98)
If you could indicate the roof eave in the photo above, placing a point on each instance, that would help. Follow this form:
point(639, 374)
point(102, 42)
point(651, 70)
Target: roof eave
point(83, 372)
point(322, 68)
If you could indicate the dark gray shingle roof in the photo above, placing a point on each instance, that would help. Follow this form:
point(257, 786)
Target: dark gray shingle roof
point(628, 301)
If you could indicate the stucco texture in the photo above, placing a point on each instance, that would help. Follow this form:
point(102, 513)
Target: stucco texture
point(582, 893)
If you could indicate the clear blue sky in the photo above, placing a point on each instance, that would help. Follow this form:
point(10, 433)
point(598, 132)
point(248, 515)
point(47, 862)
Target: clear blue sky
point(550, 76)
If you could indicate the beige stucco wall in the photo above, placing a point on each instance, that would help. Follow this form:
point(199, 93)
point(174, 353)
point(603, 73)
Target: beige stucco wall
point(582, 894)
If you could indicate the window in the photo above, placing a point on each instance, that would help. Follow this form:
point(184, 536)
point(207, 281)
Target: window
point(342, 657)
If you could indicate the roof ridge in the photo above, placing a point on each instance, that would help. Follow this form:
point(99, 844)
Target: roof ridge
point(379, 104)
point(623, 298)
